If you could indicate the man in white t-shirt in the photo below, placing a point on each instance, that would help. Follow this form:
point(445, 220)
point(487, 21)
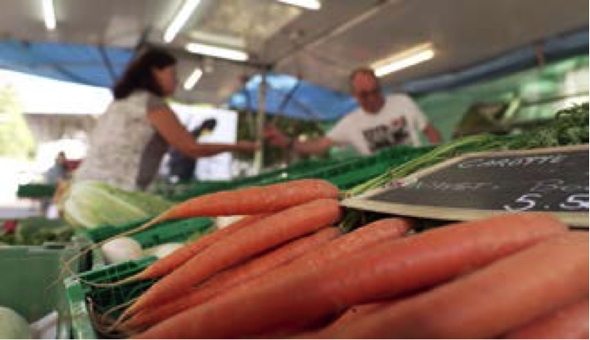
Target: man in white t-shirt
point(379, 122)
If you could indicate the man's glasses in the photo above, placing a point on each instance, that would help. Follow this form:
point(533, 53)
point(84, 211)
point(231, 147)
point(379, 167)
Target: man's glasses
point(367, 94)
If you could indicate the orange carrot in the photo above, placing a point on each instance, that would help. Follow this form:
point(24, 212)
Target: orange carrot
point(570, 322)
point(327, 327)
point(350, 243)
point(347, 245)
point(384, 271)
point(356, 240)
point(235, 275)
point(246, 201)
point(351, 315)
point(250, 201)
point(272, 259)
point(259, 237)
point(169, 263)
point(491, 301)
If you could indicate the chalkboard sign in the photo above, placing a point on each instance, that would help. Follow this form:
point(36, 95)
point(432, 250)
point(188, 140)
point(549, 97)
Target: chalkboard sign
point(482, 184)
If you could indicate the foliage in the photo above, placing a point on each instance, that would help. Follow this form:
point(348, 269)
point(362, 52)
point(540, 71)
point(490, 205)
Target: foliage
point(37, 230)
point(295, 128)
point(16, 139)
point(569, 127)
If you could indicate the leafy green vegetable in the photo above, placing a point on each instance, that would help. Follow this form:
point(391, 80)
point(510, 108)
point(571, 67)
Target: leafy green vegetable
point(13, 325)
point(91, 204)
point(37, 230)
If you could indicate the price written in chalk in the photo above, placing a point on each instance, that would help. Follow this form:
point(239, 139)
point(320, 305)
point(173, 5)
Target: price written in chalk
point(574, 197)
point(549, 180)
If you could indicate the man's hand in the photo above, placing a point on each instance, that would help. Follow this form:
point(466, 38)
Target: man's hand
point(275, 136)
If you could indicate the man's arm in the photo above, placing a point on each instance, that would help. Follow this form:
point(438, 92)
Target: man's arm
point(432, 134)
point(314, 146)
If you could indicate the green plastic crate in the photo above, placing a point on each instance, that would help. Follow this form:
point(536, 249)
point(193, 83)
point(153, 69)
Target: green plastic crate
point(344, 173)
point(80, 294)
point(36, 190)
point(351, 172)
point(191, 189)
point(173, 231)
point(31, 284)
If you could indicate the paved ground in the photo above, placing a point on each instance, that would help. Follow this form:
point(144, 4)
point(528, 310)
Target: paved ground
point(19, 209)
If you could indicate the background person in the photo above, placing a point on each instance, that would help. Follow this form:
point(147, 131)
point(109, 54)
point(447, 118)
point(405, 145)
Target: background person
point(182, 168)
point(131, 138)
point(58, 171)
point(380, 122)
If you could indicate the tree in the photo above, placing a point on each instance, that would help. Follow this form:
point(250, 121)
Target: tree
point(16, 139)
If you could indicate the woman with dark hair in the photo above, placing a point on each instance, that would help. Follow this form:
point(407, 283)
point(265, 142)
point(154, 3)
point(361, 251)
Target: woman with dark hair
point(132, 136)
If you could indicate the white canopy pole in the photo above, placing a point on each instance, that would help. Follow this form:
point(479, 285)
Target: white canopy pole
point(259, 154)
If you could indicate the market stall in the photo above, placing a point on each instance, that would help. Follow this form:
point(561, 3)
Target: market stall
point(406, 219)
point(483, 234)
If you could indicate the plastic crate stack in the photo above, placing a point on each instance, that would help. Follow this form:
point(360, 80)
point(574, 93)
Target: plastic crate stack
point(185, 191)
point(32, 283)
point(35, 190)
point(343, 173)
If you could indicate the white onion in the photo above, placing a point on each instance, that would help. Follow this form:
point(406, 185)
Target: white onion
point(162, 250)
point(224, 221)
point(121, 249)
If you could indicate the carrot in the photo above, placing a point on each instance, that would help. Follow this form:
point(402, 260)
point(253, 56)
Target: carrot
point(349, 243)
point(226, 279)
point(246, 201)
point(360, 238)
point(274, 258)
point(346, 245)
point(259, 237)
point(491, 301)
point(250, 201)
point(357, 240)
point(384, 271)
point(169, 263)
point(570, 322)
point(349, 315)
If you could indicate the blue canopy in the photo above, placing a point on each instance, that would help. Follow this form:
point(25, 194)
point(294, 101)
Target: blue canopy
point(85, 64)
point(292, 97)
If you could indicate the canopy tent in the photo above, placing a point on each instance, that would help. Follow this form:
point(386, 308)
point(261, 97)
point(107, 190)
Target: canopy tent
point(550, 49)
point(101, 65)
point(322, 46)
point(84, 64)
point(292, 97)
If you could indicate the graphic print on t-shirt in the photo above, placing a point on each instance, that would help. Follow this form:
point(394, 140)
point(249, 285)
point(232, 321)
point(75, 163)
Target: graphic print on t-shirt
point(383, 136)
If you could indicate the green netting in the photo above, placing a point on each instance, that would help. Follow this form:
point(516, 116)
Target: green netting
point(541, 92)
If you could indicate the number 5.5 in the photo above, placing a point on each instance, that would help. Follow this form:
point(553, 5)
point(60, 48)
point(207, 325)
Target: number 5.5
point(524, 202)
point(576, 202)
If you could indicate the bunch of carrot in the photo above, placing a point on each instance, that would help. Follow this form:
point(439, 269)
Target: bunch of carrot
point(286, 271)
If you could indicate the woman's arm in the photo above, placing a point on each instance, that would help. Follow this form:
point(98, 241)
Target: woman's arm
point(175, 134)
